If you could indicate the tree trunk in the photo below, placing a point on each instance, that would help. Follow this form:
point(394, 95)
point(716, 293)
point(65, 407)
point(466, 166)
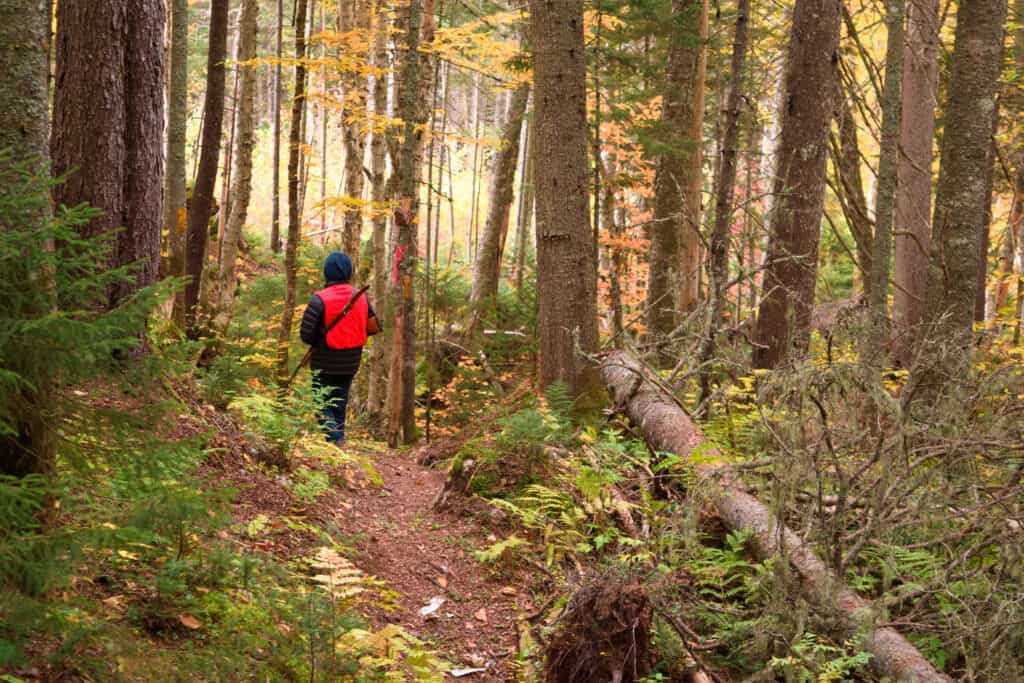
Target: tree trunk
point(231, 104)
point(675, 232)
point(960, 198)
point(175, 193)
point(291, 249)
point(719, 271)
point(783, 321)
point(24, 131)
point(984, 237)
point(566, 272)
point(412, 98)
point(888, 161)
point(474, 189)
point(914, 177)
point(353, 112)
point(849, 188)
point(668, 429)
point(108, 118)
point(24, 61)
point(492, 242)
point(378, 169)
point(200, 209)
point(275, 220)
point(1013, 103)
point(526, 207)
point(245, 140)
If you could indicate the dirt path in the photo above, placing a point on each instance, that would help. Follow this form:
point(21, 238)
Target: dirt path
point(424, 555)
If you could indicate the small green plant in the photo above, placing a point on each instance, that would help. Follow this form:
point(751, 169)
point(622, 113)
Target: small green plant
point(282, 420)
point(310, 484)
point(817, 660)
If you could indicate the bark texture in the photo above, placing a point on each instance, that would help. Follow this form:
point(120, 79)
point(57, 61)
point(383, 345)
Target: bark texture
point(719, 251)
point(566, 272)
point(241, 176)
point(783, 321)
point(492, 243)
point(24, 61)
point(200, 208)
point(378, 170)
point(675, 233)
point(175, 192)
point(526, 207)
point(1013, 103)
point(24, 105)
point(912, 237)
point(888, 161)
point(275, 219)
point(108, 116)
point(667, 428)
point(849, 188)
point(291, 249)
point(353, 115)
point(960, 197)
point(413, 96)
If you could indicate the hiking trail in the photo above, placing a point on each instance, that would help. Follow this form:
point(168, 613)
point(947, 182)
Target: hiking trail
point(421, 554)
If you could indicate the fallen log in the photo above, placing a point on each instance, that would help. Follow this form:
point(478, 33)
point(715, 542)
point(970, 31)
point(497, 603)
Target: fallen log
point(666, 427)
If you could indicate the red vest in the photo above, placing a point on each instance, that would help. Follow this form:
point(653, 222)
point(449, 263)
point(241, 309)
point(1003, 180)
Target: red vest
point(350, 332)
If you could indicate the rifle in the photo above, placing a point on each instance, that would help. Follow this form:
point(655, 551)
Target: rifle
point(327, 330)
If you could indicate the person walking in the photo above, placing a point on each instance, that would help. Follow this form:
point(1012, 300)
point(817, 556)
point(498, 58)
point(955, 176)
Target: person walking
point(337, 344)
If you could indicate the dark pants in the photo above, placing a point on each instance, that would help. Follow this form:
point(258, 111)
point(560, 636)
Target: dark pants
point(334, 391)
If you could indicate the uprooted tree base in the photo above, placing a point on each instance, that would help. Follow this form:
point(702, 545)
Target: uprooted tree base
point(604, 634)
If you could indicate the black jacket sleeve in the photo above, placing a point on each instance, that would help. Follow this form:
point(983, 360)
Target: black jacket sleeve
point(313, 321)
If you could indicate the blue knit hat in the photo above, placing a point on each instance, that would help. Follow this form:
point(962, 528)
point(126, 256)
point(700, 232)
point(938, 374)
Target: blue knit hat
point(338, 267)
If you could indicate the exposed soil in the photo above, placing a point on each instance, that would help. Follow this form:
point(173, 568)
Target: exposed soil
point(420, 554)
point(423, 555)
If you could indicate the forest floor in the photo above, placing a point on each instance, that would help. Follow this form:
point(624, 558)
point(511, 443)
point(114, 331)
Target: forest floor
point(422, 555)
point(371, 504)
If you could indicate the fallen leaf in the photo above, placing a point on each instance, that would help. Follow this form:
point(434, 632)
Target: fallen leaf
point(481, 615)
point(508, 590)
point(442, 581)
point(188, 621)
point(431, 606)
point(459, 673)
